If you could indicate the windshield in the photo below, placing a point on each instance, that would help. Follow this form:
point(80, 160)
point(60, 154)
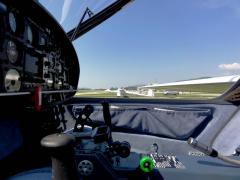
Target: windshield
point(163, 49)
point(69, 12)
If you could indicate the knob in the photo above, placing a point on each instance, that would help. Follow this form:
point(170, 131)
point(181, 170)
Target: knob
point(60, 147)
point(125, 149)
point(85, 167)
point(146, 164)
point(122, 148)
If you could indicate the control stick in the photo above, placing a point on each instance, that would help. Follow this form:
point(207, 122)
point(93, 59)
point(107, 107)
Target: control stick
point(60, 147)
point(107, 118)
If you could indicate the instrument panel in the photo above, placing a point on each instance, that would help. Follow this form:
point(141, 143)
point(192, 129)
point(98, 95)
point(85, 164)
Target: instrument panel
point(34, 51)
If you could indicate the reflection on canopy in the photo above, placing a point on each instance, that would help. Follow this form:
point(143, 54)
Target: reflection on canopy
point(69, 12)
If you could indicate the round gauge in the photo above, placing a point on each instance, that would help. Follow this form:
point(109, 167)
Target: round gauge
point(29, 34)
point(12, 52)
point(12, 22)
point(11, 81)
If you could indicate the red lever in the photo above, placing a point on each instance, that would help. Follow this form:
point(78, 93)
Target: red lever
point(37, 98)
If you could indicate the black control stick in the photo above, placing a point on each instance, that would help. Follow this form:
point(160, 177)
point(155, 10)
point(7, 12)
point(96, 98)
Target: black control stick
point(106, 114)
point(107, 117)
point(60, 147)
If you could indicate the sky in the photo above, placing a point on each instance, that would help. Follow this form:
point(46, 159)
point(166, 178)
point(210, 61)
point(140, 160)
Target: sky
point(155, 41)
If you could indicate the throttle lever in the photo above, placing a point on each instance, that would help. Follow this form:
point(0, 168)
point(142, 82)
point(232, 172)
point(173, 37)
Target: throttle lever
point(106, 114)
point(107, 117)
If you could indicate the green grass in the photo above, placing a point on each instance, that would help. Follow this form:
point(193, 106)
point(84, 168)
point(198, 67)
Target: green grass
point(187, 96)
point(198, 91)
point(101, 94)
point(95, 93)
point(157, 96)
point(217, 88)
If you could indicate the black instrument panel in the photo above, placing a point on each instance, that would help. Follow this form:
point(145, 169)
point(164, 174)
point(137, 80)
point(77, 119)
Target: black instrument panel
point(35, 51)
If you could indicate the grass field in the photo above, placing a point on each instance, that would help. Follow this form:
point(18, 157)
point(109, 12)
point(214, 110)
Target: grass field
point(203, 91)
point(217, 88)
point(95, 93)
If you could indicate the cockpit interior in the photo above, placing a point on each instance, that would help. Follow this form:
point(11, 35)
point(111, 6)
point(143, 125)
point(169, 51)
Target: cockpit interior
point(48, 133)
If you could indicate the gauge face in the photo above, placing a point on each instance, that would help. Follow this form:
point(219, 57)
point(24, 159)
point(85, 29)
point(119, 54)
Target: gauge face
point(12, 52)
point(29, 34)
point(11, 81)
point(12, 22)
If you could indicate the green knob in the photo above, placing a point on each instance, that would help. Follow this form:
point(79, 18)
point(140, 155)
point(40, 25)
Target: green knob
point(146, 164)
